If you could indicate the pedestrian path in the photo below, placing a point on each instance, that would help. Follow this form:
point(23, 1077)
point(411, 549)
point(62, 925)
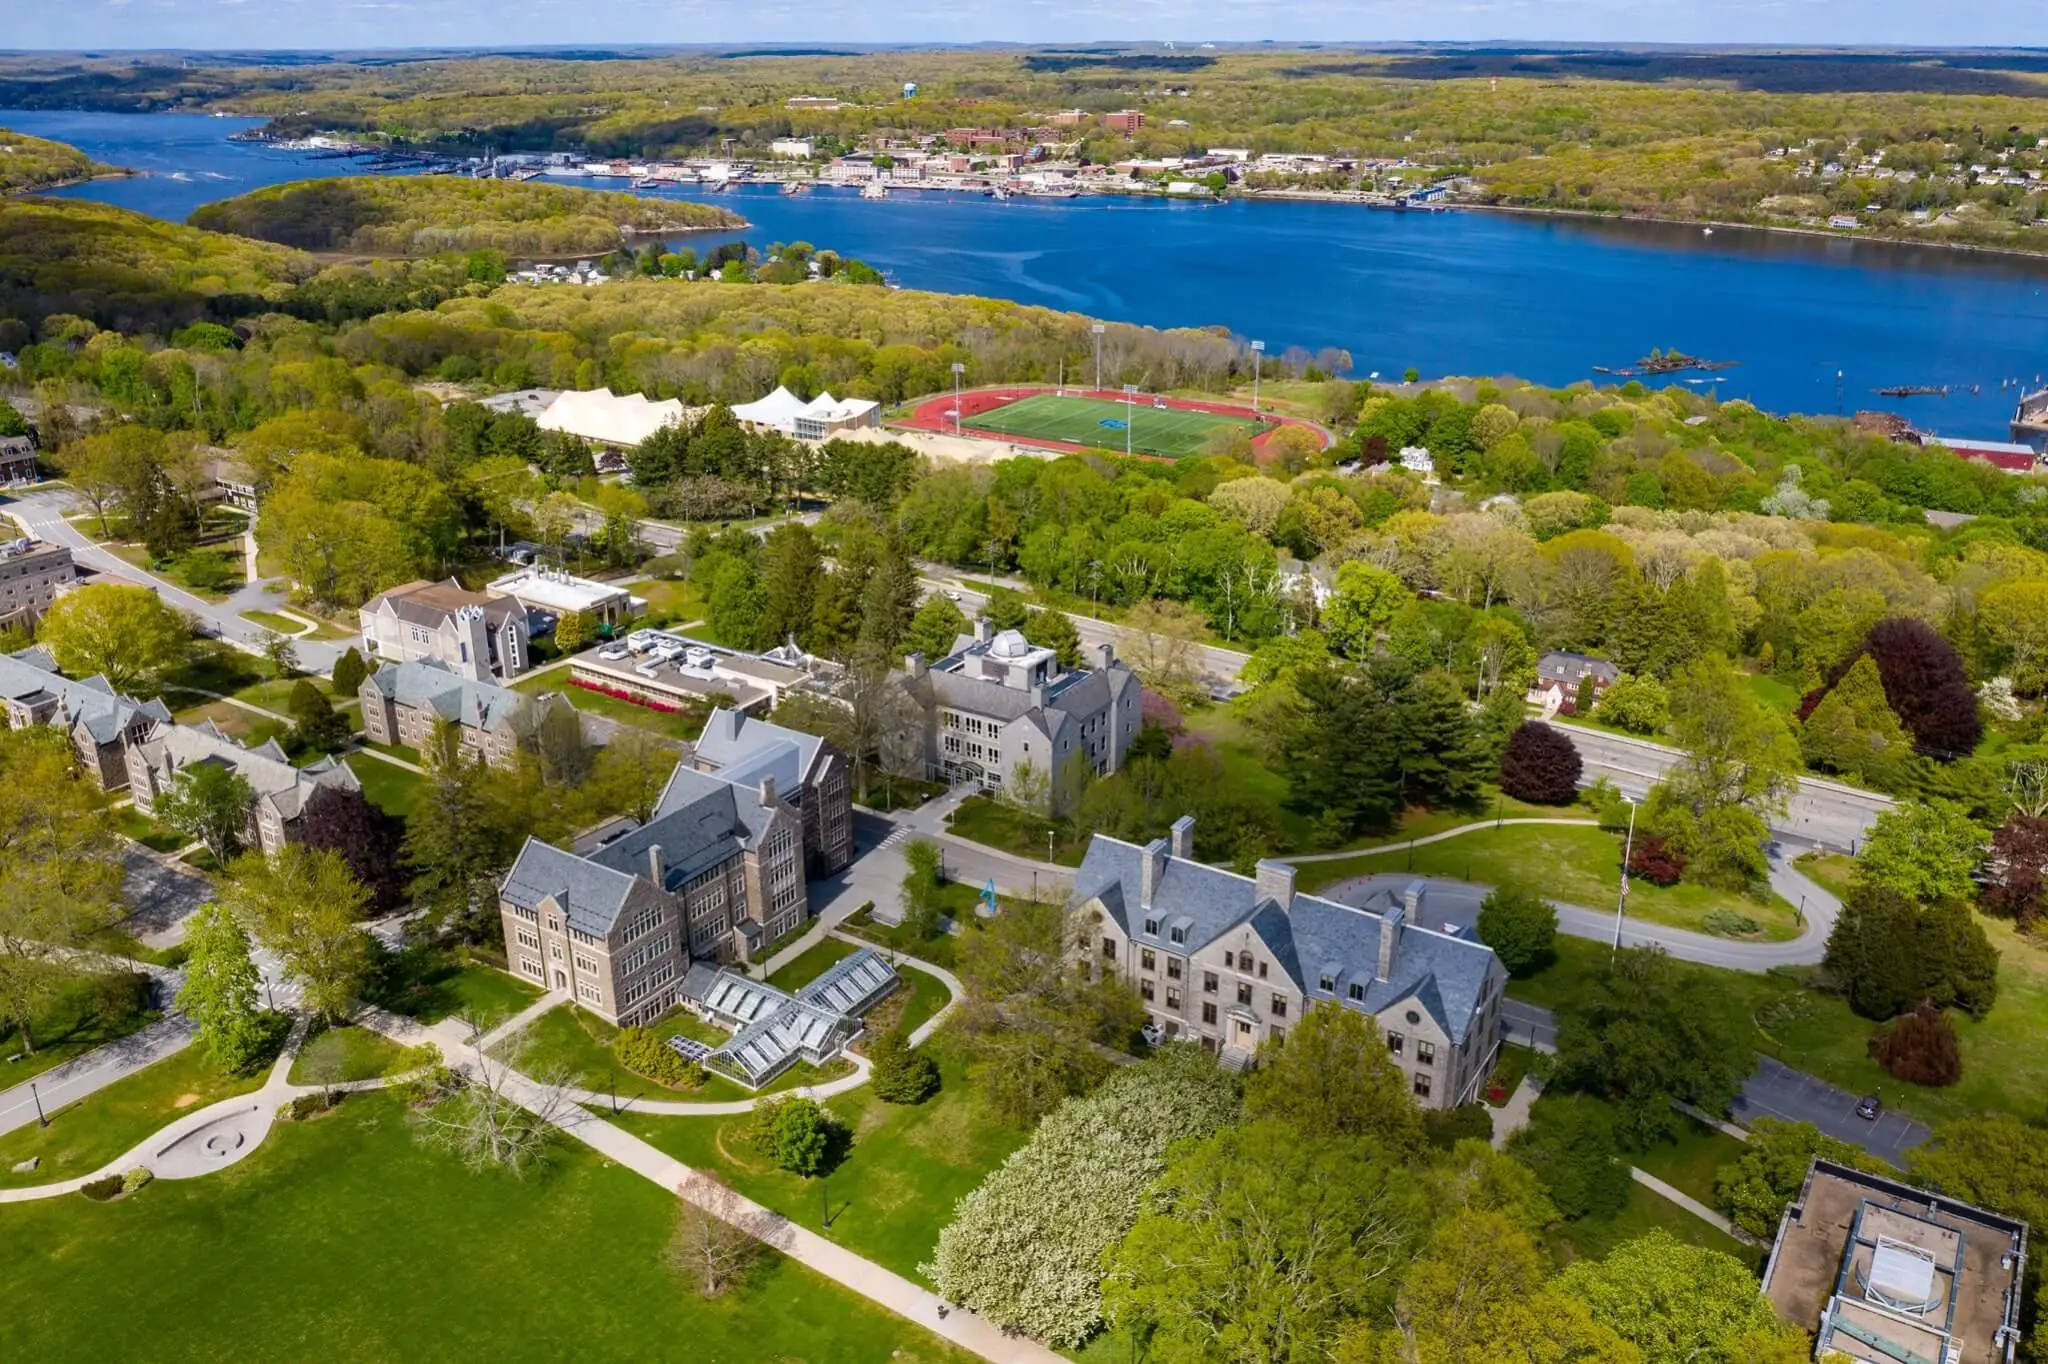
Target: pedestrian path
point(1403, 844)
point(1692, 1205)
point(81, 1076)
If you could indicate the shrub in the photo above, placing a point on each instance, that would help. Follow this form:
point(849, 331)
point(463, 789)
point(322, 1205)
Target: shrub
point(1919, 1047)
point(1446, 1127)
point(1728, 923)
point(902, 1075)
point(641, 1052)
point(1890, 954)
point(1655, 861)
point(1540, 765)
point(136, 1178)
point(1570, 1144)
point(1639, 705)
point(306, 1106)
point(425, 1056)
point(101, 1189)
point(795, 1132)
point(1519, 925)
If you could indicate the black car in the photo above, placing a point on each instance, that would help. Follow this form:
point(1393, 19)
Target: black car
point(1869, 1107)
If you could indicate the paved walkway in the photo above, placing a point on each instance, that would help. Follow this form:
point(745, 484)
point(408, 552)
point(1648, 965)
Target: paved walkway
point(1402, 845)
point(93, 1071)
point(547, 1003)
point(1512, 1116)
point(1691, 1205)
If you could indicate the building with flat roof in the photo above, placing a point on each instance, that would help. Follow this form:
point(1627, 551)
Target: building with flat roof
point(553, 592)
point(1885, 1273)
point(666, 670)
point(715, 875)
point(100, 721)
point(476, 635)
point(280, 791)
point(999, 706)
point(33, 573)
point(1126, 121)
point(1236, 961)
point(809, 772)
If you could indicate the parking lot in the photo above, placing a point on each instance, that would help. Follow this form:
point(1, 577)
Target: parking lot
point(1778, 1091)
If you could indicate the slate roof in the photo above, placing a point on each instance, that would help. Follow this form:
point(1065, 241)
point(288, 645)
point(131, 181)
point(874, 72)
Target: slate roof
point(1571, 667)
point(171, 748)
point(429, 604)
point(1069, 696)
point(425, 684)
point(743, 750)
point(90, 703)
point(1308, 938)
point(591, 896)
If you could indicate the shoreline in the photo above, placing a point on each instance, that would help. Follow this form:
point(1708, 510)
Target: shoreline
point(112, 173)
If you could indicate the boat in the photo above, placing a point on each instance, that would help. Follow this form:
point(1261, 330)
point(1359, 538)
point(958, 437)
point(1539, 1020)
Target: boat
point(874, 189)
point(795, 187)
point(646, 182)
point(1055, 192)
point(998, 193)
point(1706, 232)
point(1914, 391)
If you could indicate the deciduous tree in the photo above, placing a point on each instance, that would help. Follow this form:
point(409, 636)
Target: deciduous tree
point(210, 803)
point(1643, 1033)
point(1925, 850)
point(718, 1238)
point(219, 994)
point(1332, 1077)
point(1678, 1302)
point(1520, 926)
point(126, 634)
point(305, 905)
point(1540, 765)
point(1756, 1187)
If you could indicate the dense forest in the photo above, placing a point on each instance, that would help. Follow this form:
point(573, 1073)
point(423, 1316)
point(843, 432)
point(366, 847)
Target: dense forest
point(1936, 150)
point(428, 214)
point(32, 163)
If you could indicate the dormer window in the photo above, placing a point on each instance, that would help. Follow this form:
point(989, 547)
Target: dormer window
point(1327, 984)
point(1152, 927)
point(1358, 992)
point(1179, 935)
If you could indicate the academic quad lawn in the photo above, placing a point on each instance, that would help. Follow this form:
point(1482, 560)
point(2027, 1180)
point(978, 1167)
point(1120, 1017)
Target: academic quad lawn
point(343, 1237)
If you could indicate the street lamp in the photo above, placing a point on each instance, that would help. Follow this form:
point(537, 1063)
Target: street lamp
point(1130, 413)
point(1097, 329)
point(1258, 363)
point(34, 1093)
point(1628, 847)
point(958, 370)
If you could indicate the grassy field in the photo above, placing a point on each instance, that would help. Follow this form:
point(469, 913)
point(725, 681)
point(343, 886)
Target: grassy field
point(346, 1236)
point(811, 964)
point(1018, 832)
point(72, 1025)
point(909, 1006)
point(1645, 1212)
point(389, 787)
point(433, 988)
point(685, 725)
point(670, 602)
point(271, 620)
point(237, 722)
point(903, 1170)
point(2005, 1067)
point(1100, 422)
point(354, 1053)
point(1579, 865)
point(1831, 871)
point(146, 831)
point(578, 1045)
point(1690, 1161)
point(104, 1126)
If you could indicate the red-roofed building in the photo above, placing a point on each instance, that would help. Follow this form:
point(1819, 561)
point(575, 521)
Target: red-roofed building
point(2014, 459)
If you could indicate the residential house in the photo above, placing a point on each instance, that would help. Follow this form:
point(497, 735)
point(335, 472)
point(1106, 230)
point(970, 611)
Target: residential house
point(401, 702)
point(715, 875)
point(1560, 675)
point(100, 721)
point(281, 791)
point(999, 706)
point(1236, 961)
point(771, 1029)
point(474, 634)
point(18, 459)
point(33, 574)
point(810, 773)
point(1883, 1272)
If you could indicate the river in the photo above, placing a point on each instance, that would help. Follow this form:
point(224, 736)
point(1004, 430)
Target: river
point(1816, 323)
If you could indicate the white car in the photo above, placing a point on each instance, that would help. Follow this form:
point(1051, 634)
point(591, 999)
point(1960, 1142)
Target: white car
point(1153, 1034)
point(951, 595)
point(614, 652)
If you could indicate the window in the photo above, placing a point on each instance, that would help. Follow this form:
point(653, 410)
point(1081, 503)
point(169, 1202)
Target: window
point(1425, 1053)
point(1179, 934)
point(1327, 984)
point(556, 949)
point(1357, 991)
point(1244, 993)
point(1172, 998)
point(1208, 982)
point(1279, 1006)
point(1422, 1086)
point(1145, 988)
point(1152, 927)
point(1279, 1034)
point(1208, 1013)
point(1173, 968)
point(527, 939)
point(1262, 970)
point(1109, 948)
point(1394, 1043)
point(590, 992)
point(530, 966)
point(1146, 961)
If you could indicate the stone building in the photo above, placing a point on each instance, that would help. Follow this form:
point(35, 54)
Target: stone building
point(102, 723)
point(810, 773)
point(401, 702)
point(33, 573)
point(280, 790)
point(473, 634)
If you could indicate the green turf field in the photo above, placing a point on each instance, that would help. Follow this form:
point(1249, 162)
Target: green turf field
point(1079, 421)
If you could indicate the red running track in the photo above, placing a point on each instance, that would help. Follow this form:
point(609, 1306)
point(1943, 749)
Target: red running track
point(935, 414)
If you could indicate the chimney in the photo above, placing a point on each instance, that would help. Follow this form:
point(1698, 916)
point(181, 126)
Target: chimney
point(1275, 881)
point(1390, 937)
point(1184, 837)
point(657, 866)
point(1105, 654)
point(983, 631)
point(768, 791)
point(1149, 869)
point(726, 720)
point(1411, 899)
point(913, 663)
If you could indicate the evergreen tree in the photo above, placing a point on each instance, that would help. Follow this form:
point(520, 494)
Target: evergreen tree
point(316, 724)
point(1854, 733)
point(1888, 954)
point(452, 844)
point(937, 623)
point(1340, 752)
point(350, 672)
point(1050, 629)
point(1443, 756)
point(902, 1075)
point(887, 605)
point(789, 576)
point(220, 991)
point(736, 612)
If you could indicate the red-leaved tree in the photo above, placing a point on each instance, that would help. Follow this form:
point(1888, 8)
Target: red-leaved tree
point(1540, 765)
point(2017, 871)
point(1655, 861)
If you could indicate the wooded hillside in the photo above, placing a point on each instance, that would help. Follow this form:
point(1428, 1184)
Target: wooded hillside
point(425, 215)
point(28, 163)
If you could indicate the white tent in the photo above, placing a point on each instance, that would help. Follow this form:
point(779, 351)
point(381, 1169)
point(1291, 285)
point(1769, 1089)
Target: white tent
point(779, 409)
point(604, 418)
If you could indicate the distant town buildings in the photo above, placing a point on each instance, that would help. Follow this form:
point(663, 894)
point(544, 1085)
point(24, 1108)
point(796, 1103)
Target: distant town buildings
point(18, 460)
point(1886, 1273)
point(1125, 121)
point(474, 635)
point(1235, 961)
point(795, 148)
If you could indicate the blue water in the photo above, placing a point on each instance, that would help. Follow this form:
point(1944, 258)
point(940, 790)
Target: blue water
point(1449, 293)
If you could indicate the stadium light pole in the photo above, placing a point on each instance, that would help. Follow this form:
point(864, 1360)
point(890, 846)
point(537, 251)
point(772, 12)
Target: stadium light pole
point(958, 370)
point(1130, 413)
point(1097, 329)
point(1258, 363)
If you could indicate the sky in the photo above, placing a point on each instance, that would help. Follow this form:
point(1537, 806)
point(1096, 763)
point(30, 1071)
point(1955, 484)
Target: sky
point(106, 25)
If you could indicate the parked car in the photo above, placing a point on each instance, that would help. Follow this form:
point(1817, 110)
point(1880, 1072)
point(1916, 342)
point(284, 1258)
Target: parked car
point(1153, 1034)
point(1870, 1108)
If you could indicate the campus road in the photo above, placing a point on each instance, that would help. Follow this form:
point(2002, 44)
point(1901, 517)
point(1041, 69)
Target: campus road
point(1823, 813)
point(41, 514)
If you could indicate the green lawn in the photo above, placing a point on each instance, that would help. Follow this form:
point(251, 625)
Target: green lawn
point(271, 620)
point(147, 831)
point(220, 568)
point(1690, 1161)
point(1100, 422)
point(577, 1044)
point(939, 951)
point(275, 693)
point(237, 722)
point(1831, 871)
point(811, 964)
point(1017, 832)
point(104, 1126)
point(85, 1015)
point(434, 986)
point(910, 1005)
point(905, 1168)
point(669, 602)
point(389, 787)
point(685, 725)
point(2005, 1066)
point(216, 667)
point(1579, 865)
point(345, 1236)
point(1644, 1213)
point(1779, 696)
point(356, 1054)
point(402, 752)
